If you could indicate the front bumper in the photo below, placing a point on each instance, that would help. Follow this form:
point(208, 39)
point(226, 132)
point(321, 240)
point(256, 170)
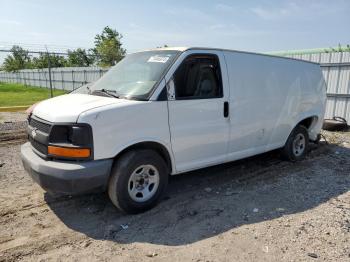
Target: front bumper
point(66, 177)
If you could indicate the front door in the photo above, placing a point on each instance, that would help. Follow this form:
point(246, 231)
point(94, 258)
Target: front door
point(199, 125)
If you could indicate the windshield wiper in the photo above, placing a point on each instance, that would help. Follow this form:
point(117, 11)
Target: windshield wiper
point(111, 93)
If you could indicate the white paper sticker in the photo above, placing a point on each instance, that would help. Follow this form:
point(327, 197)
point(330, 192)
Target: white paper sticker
point(158, 59)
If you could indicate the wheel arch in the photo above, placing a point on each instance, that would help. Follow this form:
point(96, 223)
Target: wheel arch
point(160, 148)
point(308, 122)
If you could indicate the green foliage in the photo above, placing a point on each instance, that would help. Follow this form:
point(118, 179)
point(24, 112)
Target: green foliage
point(20, 95)
point(107, 52)
point(108, 47)
point(19, 59)
point(42, 61)
point(79, 57)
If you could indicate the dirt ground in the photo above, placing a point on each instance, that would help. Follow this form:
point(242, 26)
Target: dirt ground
point(12, 117)
point(258, 209)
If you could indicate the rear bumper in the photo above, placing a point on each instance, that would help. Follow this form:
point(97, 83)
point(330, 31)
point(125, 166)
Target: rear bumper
point(64, 176)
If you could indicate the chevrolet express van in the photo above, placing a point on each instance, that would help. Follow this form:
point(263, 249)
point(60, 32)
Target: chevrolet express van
point(167, 111)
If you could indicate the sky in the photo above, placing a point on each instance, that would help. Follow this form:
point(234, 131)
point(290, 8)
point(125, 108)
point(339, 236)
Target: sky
point(259, 26)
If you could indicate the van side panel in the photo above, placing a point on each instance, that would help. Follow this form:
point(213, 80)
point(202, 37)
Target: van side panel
point(268, 97)
point(120, 126)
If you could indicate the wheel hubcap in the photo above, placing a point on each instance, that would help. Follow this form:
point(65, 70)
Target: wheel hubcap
point(143, 183)
point(299, 145)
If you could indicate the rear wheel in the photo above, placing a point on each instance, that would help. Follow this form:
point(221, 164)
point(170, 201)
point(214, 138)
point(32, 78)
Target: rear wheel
point(297, 144)
point(137, 181)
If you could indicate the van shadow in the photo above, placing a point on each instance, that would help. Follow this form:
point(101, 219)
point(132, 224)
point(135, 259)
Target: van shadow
point(205, 203)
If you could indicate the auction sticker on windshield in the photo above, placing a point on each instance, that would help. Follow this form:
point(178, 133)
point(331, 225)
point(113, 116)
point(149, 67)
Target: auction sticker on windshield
point(158, 59)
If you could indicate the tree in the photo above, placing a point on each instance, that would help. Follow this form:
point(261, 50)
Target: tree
point(55, 61)
point(19, 59)
point(79, 57)
point(108, 47)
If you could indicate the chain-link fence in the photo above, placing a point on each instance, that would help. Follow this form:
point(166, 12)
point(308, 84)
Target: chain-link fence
point(65, 78)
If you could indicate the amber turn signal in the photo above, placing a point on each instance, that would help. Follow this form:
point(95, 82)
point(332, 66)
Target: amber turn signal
point(69, 152)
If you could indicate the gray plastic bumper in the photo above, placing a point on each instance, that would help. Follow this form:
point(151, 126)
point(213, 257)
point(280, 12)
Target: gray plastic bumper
point(65, 176)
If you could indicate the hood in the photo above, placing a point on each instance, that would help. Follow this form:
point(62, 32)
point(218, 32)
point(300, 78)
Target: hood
point(67, 108)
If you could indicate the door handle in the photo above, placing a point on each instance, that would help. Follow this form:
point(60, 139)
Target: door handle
point(226, 109)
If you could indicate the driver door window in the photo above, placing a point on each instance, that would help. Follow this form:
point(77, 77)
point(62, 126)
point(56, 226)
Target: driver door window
point(198, 77)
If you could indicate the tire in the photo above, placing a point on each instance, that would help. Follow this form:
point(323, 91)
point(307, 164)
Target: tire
point(130, 186)
point(335, 124)
point(297, 144)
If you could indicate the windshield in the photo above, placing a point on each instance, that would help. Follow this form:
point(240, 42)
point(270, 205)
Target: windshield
point(136, 75)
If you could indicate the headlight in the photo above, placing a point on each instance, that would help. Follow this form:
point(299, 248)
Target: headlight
point(71, 141)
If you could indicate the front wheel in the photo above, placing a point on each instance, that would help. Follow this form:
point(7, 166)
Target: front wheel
point(137, 181)
point(297, 144)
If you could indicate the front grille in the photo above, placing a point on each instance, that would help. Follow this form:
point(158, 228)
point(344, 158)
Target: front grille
point(38, 146)
point(43, 127)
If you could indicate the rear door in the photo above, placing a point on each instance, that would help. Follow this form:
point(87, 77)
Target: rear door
point(197, 96)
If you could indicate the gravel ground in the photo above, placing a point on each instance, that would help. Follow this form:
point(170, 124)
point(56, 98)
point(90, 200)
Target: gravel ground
point(12, 127)
point(10, 123)
point(258, 209)
point(12, 117)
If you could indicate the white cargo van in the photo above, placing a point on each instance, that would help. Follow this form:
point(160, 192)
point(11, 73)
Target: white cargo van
point(167, 111)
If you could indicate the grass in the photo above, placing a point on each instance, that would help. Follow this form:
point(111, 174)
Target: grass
point(20, 95)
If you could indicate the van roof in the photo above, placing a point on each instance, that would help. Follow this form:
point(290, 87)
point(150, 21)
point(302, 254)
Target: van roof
point(182, 49)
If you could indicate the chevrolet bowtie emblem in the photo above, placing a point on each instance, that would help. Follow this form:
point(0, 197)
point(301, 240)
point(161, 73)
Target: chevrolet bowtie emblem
point(34, 132)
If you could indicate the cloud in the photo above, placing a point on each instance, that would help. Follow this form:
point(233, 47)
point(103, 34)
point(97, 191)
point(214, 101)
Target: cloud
point(223, 7)
point(276, 13)
point(134, 26)
point(217, 26)
point(235, 30)
point(193, 14)
point(298, 9)
point(9, 22)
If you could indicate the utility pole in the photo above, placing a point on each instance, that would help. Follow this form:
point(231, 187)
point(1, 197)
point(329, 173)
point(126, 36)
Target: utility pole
point(49, 67)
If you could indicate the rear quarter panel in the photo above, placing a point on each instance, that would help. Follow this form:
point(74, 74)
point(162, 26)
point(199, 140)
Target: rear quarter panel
point(269, 96)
